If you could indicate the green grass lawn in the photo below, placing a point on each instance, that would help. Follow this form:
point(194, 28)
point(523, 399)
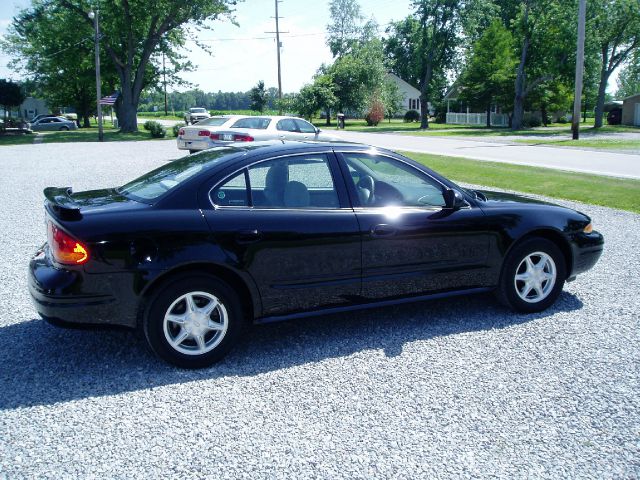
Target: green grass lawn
point(91, 135)
point(81, 135)
point(23, 139)
point(623, 194)
point(601, 143)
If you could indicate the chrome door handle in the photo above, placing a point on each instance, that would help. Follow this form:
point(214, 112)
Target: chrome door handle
point(383, 230)
point(248, 236)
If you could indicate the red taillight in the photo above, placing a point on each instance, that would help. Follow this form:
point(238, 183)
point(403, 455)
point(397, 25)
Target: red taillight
point(243, 138)
point(65, 248)
point(204, 133)
point(181, 132)
point(214, 136)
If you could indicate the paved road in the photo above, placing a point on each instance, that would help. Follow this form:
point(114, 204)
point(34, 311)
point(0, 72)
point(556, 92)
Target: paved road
point(599, 162)
point(587, 161)
point(446, 389)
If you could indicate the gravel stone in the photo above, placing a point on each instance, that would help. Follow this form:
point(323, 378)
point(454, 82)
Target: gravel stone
point(445, 389)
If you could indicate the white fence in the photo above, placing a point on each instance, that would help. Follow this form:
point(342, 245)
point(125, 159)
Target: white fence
point(497, 119)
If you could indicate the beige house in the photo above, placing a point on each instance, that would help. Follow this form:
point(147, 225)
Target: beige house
point(631, 110)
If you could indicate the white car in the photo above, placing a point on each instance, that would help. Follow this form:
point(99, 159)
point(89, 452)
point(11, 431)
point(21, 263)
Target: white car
point(222, 130)
point(195, 115)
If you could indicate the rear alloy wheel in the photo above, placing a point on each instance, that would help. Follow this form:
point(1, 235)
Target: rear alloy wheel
point(533, 275)
point(62, 129)
point(193, 321)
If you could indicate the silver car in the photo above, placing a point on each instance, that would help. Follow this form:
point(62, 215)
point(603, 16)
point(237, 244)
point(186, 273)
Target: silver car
point(222, 130)
point(47, 124)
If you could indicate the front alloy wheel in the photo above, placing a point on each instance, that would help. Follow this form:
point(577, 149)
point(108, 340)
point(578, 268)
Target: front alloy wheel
point(533, 274)
point(535, 277)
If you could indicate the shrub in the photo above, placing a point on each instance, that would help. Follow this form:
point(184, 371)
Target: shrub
point(157, 130)
point(375, 114)
point(176, 128)
point(563, 119)
point(149, 124)
point(411, 116)
point(531, 121)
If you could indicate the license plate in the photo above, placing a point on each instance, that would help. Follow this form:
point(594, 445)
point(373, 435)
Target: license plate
point(227, 136)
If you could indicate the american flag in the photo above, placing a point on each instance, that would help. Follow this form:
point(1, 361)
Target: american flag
point(110, 100)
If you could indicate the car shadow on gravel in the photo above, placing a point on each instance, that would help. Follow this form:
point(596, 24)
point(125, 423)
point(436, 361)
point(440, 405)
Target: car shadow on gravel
point(43, 365)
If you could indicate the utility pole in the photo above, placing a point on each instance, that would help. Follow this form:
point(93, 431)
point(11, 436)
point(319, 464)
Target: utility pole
point(94, 16)
point(575, 121)
point(278, 46)
point(164, 81)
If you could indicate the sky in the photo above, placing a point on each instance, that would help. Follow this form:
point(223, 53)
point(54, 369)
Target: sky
point(242, 55)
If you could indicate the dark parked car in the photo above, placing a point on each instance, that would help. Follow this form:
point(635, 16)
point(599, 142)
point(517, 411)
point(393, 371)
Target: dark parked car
point(197, 248)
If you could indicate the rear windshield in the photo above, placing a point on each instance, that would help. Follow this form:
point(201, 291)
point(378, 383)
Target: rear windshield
point(156, 183)
point(214, 121)
point(259, 123)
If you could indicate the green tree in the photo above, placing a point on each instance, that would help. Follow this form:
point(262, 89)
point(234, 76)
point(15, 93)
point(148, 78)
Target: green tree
point(489, 74)
point(315, 97)
point(545, 33)
point(50, 47)
point(616, 27)
point(11, 95)
point(258, 97)
point(132, 32)
point(344, 29)
point(357, 75)
point(440, 33)
point(629, 78)
point(392, 98)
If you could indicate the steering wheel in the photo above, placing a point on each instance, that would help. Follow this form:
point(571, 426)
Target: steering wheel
point(368, 183)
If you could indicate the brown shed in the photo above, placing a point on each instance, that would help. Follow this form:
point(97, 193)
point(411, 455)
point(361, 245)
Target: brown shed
point(631, 110)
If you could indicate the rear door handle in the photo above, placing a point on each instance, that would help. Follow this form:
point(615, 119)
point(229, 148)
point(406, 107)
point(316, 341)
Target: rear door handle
point(248, 236)
point(382, 230)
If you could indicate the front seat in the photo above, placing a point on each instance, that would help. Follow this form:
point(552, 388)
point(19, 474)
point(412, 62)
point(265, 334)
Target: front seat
point(275, 183)
point(296, 195)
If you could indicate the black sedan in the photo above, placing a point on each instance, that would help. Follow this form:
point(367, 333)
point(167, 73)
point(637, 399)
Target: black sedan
point(195, 250)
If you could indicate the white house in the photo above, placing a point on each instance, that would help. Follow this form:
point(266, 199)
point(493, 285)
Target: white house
point(410, 93)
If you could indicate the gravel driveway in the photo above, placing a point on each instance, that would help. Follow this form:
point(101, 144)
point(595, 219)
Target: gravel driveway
point(452, 388)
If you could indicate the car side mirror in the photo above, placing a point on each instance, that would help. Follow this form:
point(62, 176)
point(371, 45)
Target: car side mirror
point(318, 130)
point(453, 199)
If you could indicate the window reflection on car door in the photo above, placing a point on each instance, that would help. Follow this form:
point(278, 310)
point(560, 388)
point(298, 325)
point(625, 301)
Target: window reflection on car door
point(410, 243)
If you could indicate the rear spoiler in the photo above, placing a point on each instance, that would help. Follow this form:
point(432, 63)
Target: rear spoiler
point(60, 202)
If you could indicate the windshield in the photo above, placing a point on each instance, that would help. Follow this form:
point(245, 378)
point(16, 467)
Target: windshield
point(214, 121)
point(198, 110)
point(156, 183)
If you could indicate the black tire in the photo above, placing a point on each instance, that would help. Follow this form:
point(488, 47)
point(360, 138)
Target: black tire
point(164, 301)
point(191, 152)
point(62, 129)
point(510, 291)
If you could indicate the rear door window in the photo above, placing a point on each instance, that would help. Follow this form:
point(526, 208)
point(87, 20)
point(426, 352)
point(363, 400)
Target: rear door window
point(258, 123)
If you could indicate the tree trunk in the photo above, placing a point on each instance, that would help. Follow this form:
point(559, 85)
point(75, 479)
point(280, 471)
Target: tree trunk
point(518, 102)
point(602, 88)
point(425, 89)
point(543, 112)
point(127, 117)
point(328, 112)
point(488, 115)
point(521, 76)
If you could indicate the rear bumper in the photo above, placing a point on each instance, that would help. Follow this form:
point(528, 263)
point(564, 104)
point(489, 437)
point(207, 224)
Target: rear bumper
point(193, 144)
point(587, 249)
point(67, 297)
